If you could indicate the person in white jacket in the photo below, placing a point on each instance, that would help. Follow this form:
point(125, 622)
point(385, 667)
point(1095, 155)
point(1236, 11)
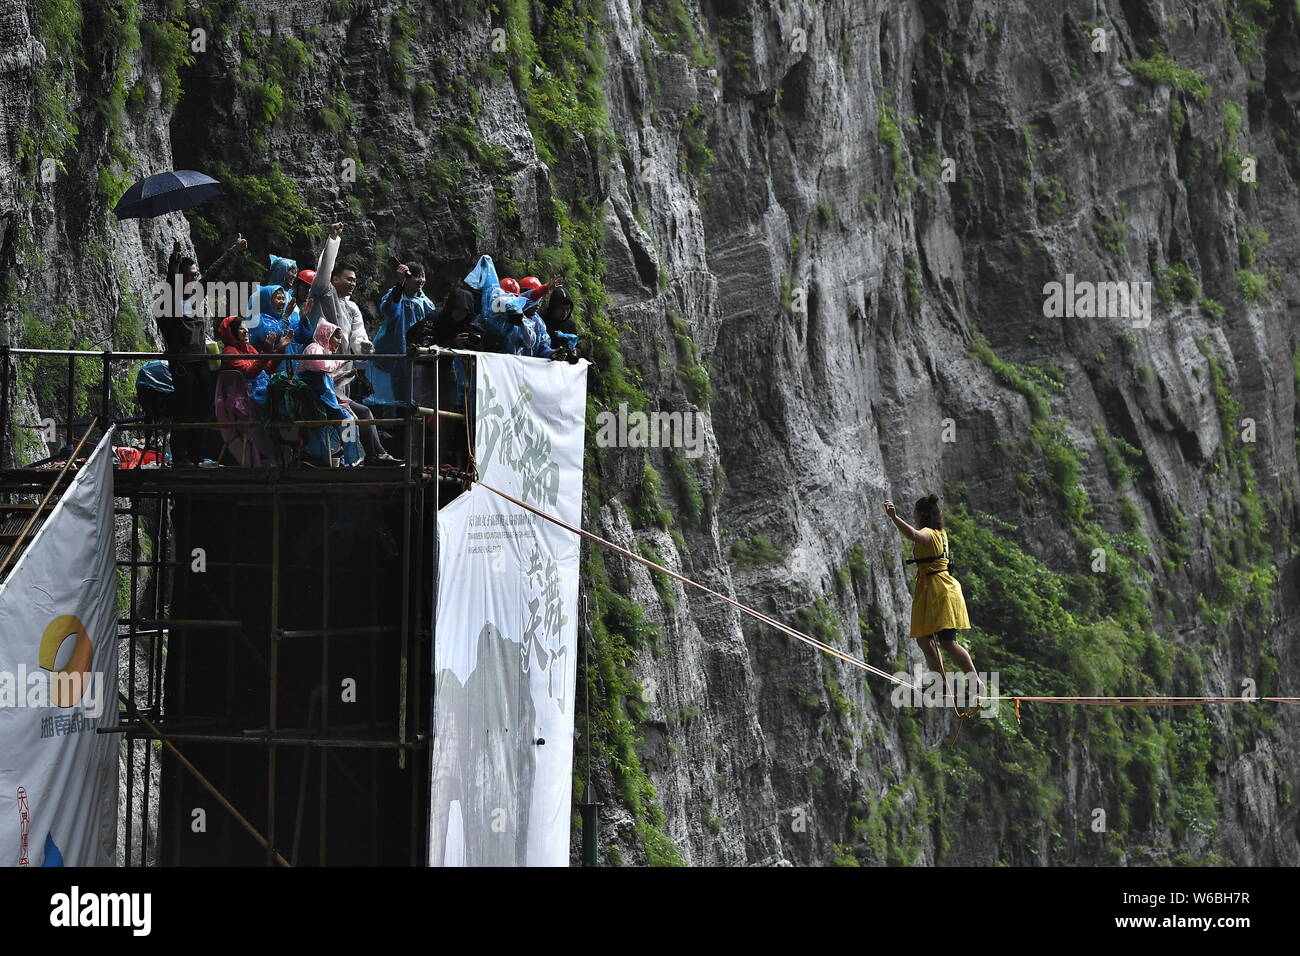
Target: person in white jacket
point(322, 302)
point(355, 339)
point(344, 280)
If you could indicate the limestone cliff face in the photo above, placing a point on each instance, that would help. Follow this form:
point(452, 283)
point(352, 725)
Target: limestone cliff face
point(825, 228)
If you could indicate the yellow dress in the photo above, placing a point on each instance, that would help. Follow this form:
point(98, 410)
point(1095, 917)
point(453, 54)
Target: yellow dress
point(937, 601)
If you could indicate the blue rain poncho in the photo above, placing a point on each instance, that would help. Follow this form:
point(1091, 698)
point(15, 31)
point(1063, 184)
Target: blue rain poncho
point(529, 338)
point(265, 328)
point(264, 317)
point(154, 389)
point(391, 379)
point(494, 301)
point(259, 303)
point(155, 376)
point(280, 271)
point(264, 335)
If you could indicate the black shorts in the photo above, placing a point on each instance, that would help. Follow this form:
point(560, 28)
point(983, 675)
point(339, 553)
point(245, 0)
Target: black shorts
point(948, 634)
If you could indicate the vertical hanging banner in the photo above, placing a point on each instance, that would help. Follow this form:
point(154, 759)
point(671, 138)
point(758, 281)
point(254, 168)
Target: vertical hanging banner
point(505, 654)
point(58, 682)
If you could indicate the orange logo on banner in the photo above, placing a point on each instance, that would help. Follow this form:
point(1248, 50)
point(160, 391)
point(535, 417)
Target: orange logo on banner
point(66, 693)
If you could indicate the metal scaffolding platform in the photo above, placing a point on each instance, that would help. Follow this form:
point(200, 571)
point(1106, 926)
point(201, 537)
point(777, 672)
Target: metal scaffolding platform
point(275, 627)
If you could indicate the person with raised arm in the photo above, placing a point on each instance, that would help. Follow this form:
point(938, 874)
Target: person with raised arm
point(938, 606)
point(402, 306)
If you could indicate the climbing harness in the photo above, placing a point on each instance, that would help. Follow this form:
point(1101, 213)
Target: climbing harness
point(937, 557)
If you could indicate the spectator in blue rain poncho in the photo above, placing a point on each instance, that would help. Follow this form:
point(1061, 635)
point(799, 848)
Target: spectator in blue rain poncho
point(269, 325)
point(402, 306)
point(527, 335)
point(268, 338)
point(495, 303)
point(283, 272)
point(268, 313)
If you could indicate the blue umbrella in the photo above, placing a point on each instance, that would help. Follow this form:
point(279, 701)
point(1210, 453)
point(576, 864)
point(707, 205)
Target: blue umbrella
point(166, 192)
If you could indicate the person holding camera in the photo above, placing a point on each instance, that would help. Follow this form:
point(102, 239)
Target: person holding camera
point(403, 306)
point(558, 316)
point(451, 327)
point(454, 326)
point(526, 334)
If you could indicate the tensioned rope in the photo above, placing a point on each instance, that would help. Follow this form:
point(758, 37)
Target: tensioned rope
point(1152, 700)
point(786, 629)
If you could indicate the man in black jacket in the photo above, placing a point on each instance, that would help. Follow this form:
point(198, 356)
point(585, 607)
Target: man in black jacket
point(185, 342)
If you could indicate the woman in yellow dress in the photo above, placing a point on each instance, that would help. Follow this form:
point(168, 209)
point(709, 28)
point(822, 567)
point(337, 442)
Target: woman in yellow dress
point(938, 608)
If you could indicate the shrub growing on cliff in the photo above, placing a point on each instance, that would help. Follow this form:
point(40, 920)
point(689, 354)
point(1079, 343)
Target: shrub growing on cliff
point(558, 71)
point(53, 129)
point(273, 207)
point(757, 550)
point(662, 582)
point(674, 30)
point(1013, 377)
point(694, 378)
point(890, 137)
point(1160, 70)
point(819, 621)
point(403, 29)
point(694, 152)
point(647, 509)
point(688, 487)
point(1248, 35)
point(168, 44)
point(1252, 286)
point(618, 707)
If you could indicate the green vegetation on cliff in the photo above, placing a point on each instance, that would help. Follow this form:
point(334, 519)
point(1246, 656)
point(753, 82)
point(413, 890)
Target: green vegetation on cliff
point(1083, 628)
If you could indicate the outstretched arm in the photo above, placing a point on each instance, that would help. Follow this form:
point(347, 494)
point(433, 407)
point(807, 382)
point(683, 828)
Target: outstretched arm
point(325, 263)
point(908, 531)
point(174, 260)
point(218, 271)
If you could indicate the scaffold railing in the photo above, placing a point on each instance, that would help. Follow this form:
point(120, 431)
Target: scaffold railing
point(273, 656)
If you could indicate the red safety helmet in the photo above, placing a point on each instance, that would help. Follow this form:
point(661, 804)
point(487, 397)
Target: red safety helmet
point(307, 275)
point(510, 285)
point(529, 284)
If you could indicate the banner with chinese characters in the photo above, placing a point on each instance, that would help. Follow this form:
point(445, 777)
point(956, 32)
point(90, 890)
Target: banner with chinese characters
point(58, 682)
point(505, 657)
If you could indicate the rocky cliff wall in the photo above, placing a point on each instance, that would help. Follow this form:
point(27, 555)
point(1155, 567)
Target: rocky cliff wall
point(824, 228)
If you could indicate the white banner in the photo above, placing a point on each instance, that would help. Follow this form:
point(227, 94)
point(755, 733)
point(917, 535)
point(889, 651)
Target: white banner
point(505, 658)
point(58, 683)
